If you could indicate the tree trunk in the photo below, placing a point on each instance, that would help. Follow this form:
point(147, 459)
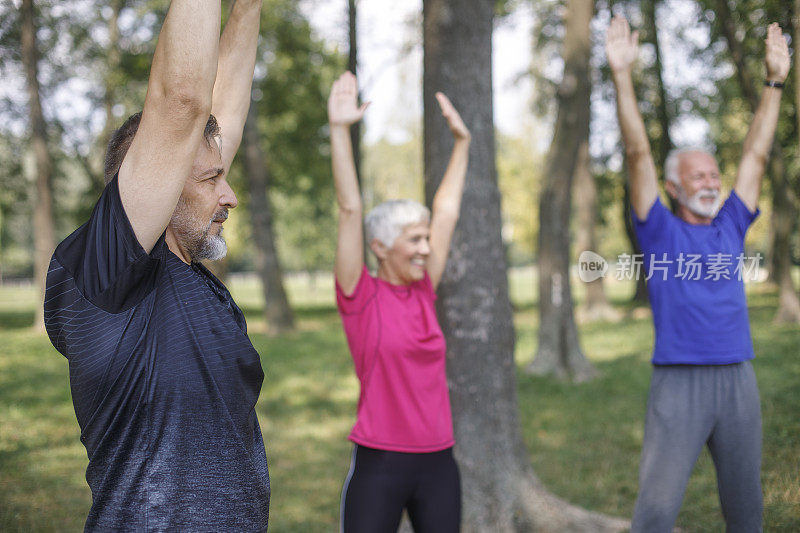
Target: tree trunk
point(796, 39)
point(559, 351)
point(352, 66)
point(93, 164)
point(640, 295)
point(114, 58)
point(355, 129)
point(783, 218)
point(500, 491)
point(43, 230)
point(277, 312)
point(595, 306)
point(664, 144)
point(661, 149)
point(783, 212)
point(1, 246)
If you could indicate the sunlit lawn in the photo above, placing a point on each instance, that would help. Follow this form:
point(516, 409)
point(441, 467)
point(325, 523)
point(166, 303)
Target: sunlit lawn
point(584, 440)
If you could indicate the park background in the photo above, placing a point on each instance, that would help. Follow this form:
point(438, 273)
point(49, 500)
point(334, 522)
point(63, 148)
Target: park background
point(579, 411)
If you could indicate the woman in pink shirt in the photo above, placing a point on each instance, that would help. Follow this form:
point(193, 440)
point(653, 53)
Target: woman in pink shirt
point(403, 436)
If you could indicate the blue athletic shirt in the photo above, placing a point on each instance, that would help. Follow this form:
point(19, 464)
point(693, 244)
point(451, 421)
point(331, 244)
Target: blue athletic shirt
point(696, 285)
point(164, 382)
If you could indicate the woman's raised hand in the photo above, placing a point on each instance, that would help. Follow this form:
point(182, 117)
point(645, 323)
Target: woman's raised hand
point(622, 46)
point(452, 117)
point(343, 109)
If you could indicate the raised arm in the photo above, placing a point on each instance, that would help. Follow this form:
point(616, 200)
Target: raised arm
point(758, 142)
point(447, 200)
point(622, 48)
point(175, 112)
point(343, 111)
point(237, 59)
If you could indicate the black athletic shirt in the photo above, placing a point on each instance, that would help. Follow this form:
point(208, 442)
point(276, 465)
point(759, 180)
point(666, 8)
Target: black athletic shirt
point(164, 382)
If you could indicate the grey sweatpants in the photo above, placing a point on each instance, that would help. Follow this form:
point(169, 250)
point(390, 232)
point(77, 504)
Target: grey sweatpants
point(689, 407)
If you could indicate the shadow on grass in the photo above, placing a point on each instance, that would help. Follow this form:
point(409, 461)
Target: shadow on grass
point(36, 387)
point(253, 312)
point(15, 320)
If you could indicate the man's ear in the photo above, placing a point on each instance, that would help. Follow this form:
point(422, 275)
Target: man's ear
point(671, 189)
point(379, 249)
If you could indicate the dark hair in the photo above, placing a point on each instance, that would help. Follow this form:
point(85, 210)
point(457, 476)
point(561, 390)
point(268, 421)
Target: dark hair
point(122, 138)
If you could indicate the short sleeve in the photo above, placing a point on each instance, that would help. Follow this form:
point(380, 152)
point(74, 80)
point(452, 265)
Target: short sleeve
point(654, 227)
point(108, 265)
point(365, 291)
point(736, 214)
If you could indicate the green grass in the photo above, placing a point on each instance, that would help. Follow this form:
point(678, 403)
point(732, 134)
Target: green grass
point(584, 440)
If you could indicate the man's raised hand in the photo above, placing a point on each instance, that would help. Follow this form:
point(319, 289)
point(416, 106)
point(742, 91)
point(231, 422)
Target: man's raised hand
point(776, 54)
point(452, 117)
point(622, 46)
point(343, 109)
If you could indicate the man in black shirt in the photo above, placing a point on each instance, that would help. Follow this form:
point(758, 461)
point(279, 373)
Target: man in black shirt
point(164, 378)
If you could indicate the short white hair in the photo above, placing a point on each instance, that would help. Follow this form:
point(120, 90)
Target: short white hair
point(673, 161)
point(386, 221)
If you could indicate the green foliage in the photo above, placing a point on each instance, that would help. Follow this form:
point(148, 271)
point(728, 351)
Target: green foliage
point(546, 72)
point(503, 8)
point(725, 108)
point(71, 40)
point(393, 170)
point(519, 176)
point(14, 236)
point(294, 72)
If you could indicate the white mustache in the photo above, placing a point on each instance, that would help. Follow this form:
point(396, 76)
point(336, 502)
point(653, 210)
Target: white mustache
point(707, 193)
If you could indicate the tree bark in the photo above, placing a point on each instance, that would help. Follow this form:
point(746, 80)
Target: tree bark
point(662, 147)
point(783, 211)
point(1, 246)
point(796, 39)
point(114, 59)
point(500, 491)
point(277, 311)
point(640, 294)
point(596, 305)
point(355, 129)
point(559, 351)
point(94, 162)
point(352, 66)
point(664, 141)
point(43, 230)
point(664, 144)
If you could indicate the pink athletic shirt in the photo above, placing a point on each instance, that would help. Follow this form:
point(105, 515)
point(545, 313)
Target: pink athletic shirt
point(399, 353)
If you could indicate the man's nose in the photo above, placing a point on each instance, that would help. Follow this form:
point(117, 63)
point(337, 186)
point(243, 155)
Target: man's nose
point(228, 197)
point(711, 181)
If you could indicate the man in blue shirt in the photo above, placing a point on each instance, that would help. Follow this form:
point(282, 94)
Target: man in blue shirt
point(164, 378)
point(703, 390)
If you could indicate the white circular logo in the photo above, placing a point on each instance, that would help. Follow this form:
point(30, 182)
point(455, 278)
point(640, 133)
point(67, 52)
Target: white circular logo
point(591, 266)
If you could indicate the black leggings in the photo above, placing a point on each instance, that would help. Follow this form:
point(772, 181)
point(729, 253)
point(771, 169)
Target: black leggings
point(382, 483)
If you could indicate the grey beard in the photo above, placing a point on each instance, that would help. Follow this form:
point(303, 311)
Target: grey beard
point(692, 203)
point(199, 243)
point(212, 247)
